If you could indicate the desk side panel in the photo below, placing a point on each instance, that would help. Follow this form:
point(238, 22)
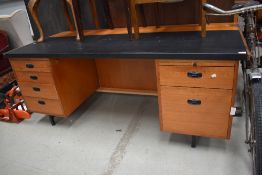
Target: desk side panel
point(75, 81)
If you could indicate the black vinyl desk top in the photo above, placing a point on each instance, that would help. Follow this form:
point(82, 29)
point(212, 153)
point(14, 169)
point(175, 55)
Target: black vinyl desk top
point(224, 45)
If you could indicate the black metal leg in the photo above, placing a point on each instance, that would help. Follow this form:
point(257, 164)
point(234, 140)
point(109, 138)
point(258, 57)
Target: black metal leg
point(194, 141)
point(52, 120)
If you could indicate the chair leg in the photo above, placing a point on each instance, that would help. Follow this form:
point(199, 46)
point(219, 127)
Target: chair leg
point(128, 19)
point(108, 16)
point(74, 6)
point(202, 18)
point(33, 7)
point(94, 13)
point(134, 19)
point(66, 12)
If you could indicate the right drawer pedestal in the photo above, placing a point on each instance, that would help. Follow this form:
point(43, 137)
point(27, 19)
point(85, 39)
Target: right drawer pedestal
point(195, 97)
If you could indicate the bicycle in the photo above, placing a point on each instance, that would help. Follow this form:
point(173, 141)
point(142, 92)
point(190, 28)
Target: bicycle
point(252, 75)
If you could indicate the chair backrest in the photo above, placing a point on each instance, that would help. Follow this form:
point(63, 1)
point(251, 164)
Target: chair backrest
point(17, 27)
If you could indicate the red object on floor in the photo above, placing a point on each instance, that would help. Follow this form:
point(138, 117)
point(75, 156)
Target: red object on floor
point(4, 63)
point(13, 107)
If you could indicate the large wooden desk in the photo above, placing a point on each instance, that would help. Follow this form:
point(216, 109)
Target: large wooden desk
point(193, 77)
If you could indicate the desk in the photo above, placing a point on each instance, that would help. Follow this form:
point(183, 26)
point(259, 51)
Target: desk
point(193, 77)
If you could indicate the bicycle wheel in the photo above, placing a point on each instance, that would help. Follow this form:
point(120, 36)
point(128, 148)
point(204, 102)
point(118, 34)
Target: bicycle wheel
point(256, 121)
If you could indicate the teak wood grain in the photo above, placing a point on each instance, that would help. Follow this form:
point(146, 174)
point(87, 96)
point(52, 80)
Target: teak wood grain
point(44, 90)
point(75, 81)
point(127, 74)
point(44, 106)
point(178, 76)
point(213, 101)
point(35, 77)
point(201, 63)
point(39, 65)
point(63, 84)
point(197, 129)
point(211, 118)
point(128, 91)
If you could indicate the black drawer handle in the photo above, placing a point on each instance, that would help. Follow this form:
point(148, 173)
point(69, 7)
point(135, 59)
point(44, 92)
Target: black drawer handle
point(33, 77)
point(41, 102)
point(194, 74)
point(30, 66)
point(36, 89)
point(194, 102)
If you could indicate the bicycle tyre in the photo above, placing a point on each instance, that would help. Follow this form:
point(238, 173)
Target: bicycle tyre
point(256, 89)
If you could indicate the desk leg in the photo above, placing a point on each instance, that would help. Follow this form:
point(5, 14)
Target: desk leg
point(194, 141)
point(52, 120)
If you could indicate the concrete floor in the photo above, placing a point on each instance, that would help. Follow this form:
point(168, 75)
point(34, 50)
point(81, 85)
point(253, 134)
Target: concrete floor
point(116, 135)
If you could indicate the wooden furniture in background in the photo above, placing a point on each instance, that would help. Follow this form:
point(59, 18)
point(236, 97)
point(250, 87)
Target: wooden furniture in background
point(75, 11)
point(134, 16)
point(195, 97)
point(54, 86)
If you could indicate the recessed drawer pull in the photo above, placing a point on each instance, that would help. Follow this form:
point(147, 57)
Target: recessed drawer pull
point(194, 74)
point(36, 89)
point(194, 102)
point(33, 77)
point(30, 66)
point(41, 102)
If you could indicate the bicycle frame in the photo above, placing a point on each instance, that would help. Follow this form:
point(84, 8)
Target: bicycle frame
point(251, 68)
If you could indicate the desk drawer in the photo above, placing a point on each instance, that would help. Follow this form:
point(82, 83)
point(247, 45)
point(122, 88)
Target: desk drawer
point(197, 129)
point(38, 90)
point(45, 106)
point(197, 109)
point(190, 76)
point(203, 63)
point(31, 65)
point(35, 77)
point(195, 100)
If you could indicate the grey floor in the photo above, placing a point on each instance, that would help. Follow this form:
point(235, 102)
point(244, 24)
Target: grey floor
point(116, 135)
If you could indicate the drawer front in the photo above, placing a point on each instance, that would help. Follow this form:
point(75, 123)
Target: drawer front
point(45, 106)
point(199, 110)
point(196, 129)
point(35, 77)
point(31, 65)
point(39, 90)
point(190, 76)
point(205, 63)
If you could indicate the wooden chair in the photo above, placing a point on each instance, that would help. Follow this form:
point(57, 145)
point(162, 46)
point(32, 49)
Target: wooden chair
point(75, 9)
point(134, 18)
